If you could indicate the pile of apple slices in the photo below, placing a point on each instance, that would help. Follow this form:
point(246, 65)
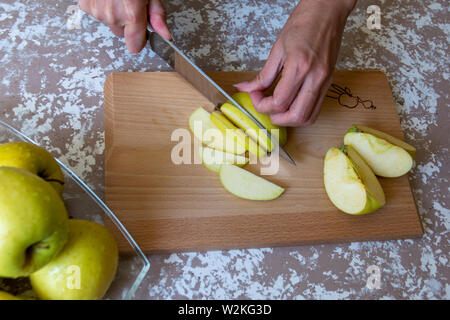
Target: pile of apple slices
point(227, 135)
point(350, 172)
point(62, 258)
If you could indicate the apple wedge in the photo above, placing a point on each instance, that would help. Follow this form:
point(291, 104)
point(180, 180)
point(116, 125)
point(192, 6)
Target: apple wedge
point(379, 134)
point(385, 159)
point(207, 132)
point(350, 184)
point(280, 133)
point(245, 123)
point(212, 159)
point(246, 185)
point(229, 128)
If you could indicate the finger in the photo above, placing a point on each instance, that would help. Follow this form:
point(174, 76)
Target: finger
point(117, 30)
point(135, 31)
point(319, 102)
point(287, 88)
point(157, 15)
point(302, 106)
point(267, 75)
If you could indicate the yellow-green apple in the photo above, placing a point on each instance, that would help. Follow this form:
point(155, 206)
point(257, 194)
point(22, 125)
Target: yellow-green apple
point(385, 158)
point(84, 269)
point(213, 159)
point(33, 222)
point(207, 132)
point(250, 128)
point(280, 133)
point(34, 159)
point(350, 183)
point(247, 185)
point(229, 128)
point(382, 135)
point(7, 296)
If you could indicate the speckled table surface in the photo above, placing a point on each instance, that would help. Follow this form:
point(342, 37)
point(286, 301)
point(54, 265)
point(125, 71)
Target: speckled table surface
point(54, 63)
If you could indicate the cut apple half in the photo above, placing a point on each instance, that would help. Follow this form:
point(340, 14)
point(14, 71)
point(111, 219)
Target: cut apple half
point(350, 184)
point(213, 159)
point(247, 185)
point(209, 134)
point(385, 159)
point(279, 133)
point(380, 134)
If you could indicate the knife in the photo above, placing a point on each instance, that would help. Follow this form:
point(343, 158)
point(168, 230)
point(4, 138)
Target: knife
point(201, 81)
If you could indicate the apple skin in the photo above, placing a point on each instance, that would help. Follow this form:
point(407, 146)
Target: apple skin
point(34, 159)
point(229, 128)
point(33, 223)
point(211, 135)
point(91, 248)
point(7, 296)
point(243, 98)
point(247, 125)
point(345, 180)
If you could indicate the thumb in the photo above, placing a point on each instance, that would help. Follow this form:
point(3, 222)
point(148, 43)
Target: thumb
point(266, 76)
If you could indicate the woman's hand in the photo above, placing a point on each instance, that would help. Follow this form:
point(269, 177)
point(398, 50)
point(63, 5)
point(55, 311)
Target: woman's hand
point(128, 18)
point(305, 53)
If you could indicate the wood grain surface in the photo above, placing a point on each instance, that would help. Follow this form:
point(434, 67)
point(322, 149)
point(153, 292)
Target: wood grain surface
point(169, 208)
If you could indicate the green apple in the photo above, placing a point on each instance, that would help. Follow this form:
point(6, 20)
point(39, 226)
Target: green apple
point(84, 269)
point(207, 132)
point(385, 159)
point(280, 133)
point(213, 159)
point(245, 123)
point(34, 159)
point(33, 222)
point(7, 296)
point(350, 184)
point(379, 134)
point(229, 128)
point(247, 185)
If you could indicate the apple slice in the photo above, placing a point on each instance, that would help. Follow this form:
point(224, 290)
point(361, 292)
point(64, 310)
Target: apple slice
point(350, 184)
point(379, 134)
point(245, 123)
point(247, 185)
point(207, 132)
point(280, 133)
point(229, 128)
point(385, 159)
point(213, 159)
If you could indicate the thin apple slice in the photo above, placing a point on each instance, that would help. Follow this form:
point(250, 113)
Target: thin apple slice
point(247, 185)
point(280, 133)
point(380, 134)
point(350, 184)
point(245, 123)
point(229, 128)
point(385, 159)
point(213, 159)
point(207, 132)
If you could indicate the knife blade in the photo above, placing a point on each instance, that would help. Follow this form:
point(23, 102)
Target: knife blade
point(171, 54)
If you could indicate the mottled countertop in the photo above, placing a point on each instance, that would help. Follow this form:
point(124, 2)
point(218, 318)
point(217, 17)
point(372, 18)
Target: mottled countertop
point(54, 63)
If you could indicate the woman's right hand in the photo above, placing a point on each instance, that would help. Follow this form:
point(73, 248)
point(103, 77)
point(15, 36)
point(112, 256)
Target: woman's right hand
point(129, 18)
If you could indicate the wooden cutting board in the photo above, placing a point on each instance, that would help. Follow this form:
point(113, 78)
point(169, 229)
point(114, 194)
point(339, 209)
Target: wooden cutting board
point(168, 207)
